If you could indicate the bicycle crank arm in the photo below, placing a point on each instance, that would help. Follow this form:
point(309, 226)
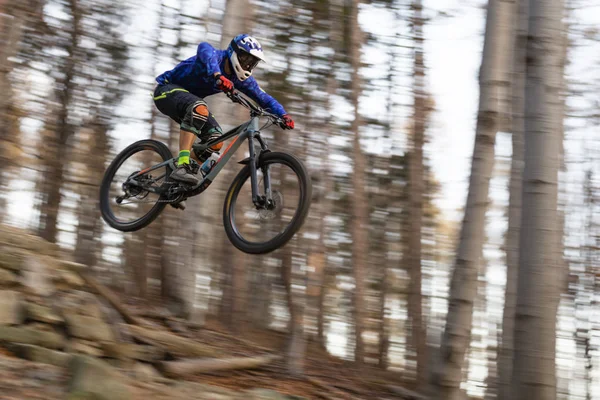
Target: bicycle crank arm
point(156, 190)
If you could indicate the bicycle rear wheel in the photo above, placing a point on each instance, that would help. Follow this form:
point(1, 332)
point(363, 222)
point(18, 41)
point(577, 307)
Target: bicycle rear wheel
point(127, 204)
point(260, 230)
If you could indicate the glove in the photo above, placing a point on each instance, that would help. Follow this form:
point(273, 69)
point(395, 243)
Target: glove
point(224, 84)
point(287, 123)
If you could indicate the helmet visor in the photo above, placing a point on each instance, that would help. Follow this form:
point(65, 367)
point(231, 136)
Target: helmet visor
point(247, 60)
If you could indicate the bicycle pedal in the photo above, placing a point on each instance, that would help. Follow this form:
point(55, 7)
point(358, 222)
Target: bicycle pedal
point(179, 206)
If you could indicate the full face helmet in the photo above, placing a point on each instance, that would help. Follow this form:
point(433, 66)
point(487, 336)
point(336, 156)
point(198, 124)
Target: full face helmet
point(245, 53)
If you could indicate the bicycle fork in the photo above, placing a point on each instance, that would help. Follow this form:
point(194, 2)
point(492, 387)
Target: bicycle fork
point(259, 200)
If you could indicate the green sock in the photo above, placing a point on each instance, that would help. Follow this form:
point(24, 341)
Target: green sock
point(184, 157)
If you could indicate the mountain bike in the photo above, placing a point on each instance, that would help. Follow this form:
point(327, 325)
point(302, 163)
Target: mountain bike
point(136, 188)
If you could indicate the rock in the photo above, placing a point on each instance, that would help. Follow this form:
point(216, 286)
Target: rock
point(43, 355)
point(145, 372)
point(23, 379)
point(124, 351)
point(85, 347)
point(18, 238)
point(26, 335)
point(89, 328)
point(267, 394)
point(11, 259)
point(40, 326)
point(95, 379)
point(68, 279)
point(36, 312)
point(80, 302)
point(8, 278)
point(11, 309)
point(36, 276)
point(202, 391)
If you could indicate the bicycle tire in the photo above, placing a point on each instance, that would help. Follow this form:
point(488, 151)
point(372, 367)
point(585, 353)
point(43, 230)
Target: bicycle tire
point(107, 214)
point(297, 221)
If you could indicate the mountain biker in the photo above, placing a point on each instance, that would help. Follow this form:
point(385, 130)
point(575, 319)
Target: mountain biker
point(180, 92)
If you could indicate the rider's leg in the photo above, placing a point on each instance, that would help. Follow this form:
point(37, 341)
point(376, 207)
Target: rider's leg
point(191, 126)
point(210, 130)
point(191, 113)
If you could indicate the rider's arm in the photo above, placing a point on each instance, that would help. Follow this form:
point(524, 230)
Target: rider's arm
point(250, 88)
point(207, 55)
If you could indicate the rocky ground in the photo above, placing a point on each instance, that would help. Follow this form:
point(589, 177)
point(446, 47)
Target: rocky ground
point(63, 335)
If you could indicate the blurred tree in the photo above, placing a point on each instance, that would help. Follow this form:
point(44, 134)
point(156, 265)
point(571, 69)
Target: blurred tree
point(447, 376)
point(178, 277)
point(104, 62)
point(415, 189)
point(505, 357)
point(59, 125)
point(539, 277)
point(359, 201)
point(238, 18)
point(15, 17)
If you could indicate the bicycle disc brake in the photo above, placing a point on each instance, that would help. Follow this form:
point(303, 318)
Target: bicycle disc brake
point(272, 210)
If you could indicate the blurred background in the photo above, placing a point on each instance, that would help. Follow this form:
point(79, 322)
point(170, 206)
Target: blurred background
point(388, 99)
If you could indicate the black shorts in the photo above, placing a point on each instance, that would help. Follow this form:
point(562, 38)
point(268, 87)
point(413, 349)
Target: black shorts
point(177, 103)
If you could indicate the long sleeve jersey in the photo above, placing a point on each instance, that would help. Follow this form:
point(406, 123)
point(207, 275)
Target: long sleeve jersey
point(196, 75)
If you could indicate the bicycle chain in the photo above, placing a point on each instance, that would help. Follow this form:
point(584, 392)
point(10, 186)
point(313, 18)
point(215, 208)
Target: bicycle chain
point(156, 201)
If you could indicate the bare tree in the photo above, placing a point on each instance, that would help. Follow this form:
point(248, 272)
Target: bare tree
point(540, 271)
point(62, 130)
point(359, 201)
point(447, 375)
point(416, 186)
point(505, 356)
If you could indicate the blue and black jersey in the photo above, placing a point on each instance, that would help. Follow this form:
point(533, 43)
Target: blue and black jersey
point(196, 75)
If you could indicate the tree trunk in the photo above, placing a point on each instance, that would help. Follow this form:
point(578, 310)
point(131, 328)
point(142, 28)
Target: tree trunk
point(11, 28)
point(505, 357)
point(447, 375)
point(384, 340)
point(416, 184)
point(238, 18)
point(539, 278)
point(178, 269)
point(359, 201)
point(296, 341)
point(89, 226)
point(54, 152)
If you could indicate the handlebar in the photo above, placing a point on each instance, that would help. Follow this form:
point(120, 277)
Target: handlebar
point(236, 97)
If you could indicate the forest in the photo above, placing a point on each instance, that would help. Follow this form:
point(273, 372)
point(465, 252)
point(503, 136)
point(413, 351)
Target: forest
point(451, 244)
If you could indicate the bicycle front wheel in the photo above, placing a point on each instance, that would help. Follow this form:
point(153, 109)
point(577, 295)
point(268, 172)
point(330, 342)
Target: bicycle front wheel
point(260, 230)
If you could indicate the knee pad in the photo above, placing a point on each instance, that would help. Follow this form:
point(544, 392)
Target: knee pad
point(200, 111)
point(195, 117)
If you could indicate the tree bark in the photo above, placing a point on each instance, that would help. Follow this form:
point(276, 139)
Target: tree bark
point(89, 226)
point(52, 179)
point(296, 342)
point(238, 17)
point(416, 186)
point(505, 357)
point(359, 201)
point(178, 269)
point(539, 276)
point(447, 375)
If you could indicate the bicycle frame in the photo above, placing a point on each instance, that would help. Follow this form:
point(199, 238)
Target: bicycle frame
point(248, 130)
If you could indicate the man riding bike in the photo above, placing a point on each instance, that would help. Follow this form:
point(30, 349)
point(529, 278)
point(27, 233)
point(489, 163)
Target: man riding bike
point(180, 92)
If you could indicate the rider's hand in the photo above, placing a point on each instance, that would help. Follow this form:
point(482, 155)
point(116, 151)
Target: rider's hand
point(224, 84)
point(287, 122)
